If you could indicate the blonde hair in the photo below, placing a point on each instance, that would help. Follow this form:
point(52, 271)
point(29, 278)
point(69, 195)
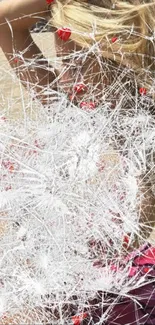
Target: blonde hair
point(124, 31)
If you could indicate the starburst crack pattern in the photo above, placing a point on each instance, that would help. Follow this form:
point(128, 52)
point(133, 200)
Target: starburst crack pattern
point(69, 184)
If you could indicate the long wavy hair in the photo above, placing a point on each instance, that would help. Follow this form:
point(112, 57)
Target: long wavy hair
point(123, 30)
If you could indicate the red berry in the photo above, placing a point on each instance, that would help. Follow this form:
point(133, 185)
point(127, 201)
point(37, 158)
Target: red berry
point(49, 1)
point(16, 60)
point(80, 88)
point(88, 105)
point(142, 91)
point(64, 33)
point(114, 39)
point(77, 319)
point(146, 269)
point(126, 241)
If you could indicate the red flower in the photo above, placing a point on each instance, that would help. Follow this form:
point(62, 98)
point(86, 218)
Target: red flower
point(80, 88)
point(114, 39)
point(142, 91)
point(64, 33)
point(88, 105)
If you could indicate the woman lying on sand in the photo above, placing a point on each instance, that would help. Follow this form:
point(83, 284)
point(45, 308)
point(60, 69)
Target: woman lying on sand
point(107, 61)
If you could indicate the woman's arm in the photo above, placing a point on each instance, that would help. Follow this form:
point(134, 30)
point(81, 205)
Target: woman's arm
point(22, 14)
point(16, 18)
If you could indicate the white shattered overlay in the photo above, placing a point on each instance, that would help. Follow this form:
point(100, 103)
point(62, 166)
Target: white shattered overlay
point(64, 184)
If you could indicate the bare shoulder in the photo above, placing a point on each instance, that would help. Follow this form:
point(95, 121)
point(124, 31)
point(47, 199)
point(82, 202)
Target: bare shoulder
point(22, 14)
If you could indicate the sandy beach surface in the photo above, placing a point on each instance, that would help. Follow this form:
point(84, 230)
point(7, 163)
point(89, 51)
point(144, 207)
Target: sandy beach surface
point(12, 94)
